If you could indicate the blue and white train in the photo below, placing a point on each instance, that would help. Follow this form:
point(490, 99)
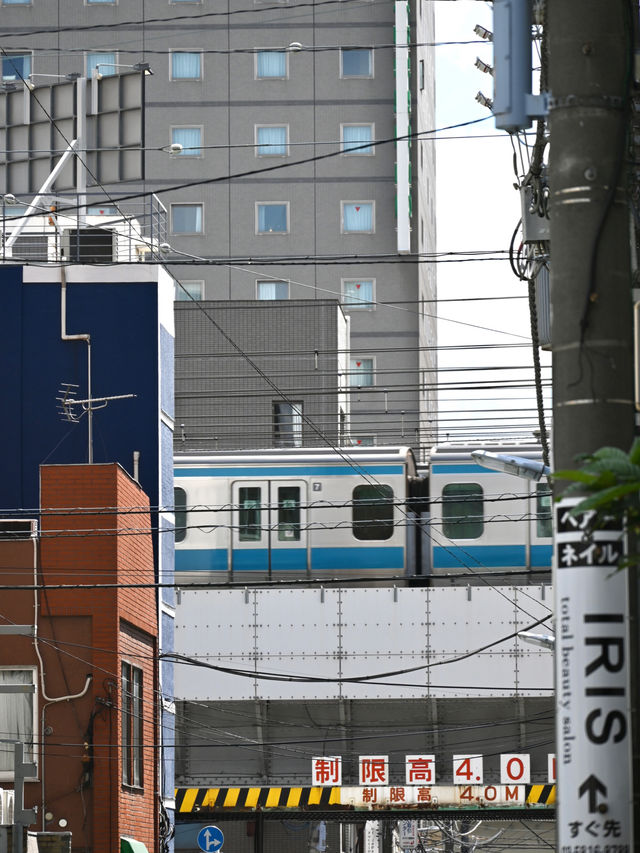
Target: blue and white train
point(356, 512)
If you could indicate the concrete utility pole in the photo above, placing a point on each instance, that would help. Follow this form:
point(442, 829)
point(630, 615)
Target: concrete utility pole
point(590, 78)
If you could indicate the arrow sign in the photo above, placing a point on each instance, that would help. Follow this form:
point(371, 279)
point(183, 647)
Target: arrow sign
point(592, 785)
point(210, 839)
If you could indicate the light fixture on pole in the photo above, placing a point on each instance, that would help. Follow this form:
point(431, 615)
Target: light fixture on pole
point(519, 466)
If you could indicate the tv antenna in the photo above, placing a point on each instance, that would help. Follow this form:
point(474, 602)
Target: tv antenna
point(72, 409)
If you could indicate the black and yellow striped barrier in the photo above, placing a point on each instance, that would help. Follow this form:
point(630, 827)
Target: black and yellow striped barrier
point(194, 800)
point(220, 799)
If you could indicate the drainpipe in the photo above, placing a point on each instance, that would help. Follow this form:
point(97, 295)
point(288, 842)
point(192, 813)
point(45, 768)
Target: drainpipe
point(65, 337)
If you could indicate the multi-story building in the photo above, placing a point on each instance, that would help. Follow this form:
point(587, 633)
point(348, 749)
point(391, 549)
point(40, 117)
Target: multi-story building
point(285, 141)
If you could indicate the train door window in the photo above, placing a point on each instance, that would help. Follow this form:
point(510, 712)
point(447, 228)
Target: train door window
point(372, 512)
point(462, 511)
point(288, 514)
point(180, 509)
point(544, 529)
point(250, 514)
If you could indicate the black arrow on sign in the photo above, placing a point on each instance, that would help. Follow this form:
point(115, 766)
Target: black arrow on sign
point(591, 786)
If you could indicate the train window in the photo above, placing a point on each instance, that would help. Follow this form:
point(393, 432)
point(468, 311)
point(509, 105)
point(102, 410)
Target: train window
point(249, 528)
point(372, 512)
point(544, 529)
point(180, 509)
point(462, 511)
point(288, 514)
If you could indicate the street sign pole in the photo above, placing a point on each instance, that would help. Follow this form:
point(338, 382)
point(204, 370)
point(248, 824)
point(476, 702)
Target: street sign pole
point(594, 759)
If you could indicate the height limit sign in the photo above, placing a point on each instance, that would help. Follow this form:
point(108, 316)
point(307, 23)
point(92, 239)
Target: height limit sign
point(592, 686)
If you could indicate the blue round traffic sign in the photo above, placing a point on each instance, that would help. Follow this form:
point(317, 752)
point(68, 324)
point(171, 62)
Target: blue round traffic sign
point(210, 839)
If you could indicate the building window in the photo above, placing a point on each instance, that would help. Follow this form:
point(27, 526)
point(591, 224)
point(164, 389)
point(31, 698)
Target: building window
point(272, 141)
point(187, 218)
point(102, 210)
point(272, 217)
point(16, 2)
point(363, 440)
point(250, 512)
point(462, 511)
point(358, 217)
point(287, 424)
point(187, 291)
point(17, 717)
point(356, 62)
point(105, 63)
point(180, 510)
point(354, 138)
point(358, 293)
point(361, 372)
point(108, 2)
point(271, 64)
point(268, 290)
point(186, 65)
point(421, 74)
point(544, 523)
point(372, 512)
point(190, 138)
point(132, 708)
point(16, 66)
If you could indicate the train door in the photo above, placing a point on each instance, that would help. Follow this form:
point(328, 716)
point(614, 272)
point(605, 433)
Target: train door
point(269, 530)
point(541, 532)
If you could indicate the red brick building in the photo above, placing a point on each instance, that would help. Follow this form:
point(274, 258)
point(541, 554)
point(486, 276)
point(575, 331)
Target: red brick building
point(93, 716)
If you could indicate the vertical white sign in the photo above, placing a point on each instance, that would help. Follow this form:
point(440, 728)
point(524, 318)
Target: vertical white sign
point(592, 689)
point(515, 768)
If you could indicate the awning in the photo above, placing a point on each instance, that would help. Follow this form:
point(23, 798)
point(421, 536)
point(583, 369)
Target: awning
point(131, 845)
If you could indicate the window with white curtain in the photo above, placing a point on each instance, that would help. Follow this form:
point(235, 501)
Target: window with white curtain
point(272, 217)
point(356, 62)
point(190, 138)
point(271, 64)
point(17, 716)
point(15, 66)
point(186, 65)
point(187, 218)
point(287, 424)
point(271, 140)
point(358, 217)
point(16, 2)
point(357, 293)
point(273, 290)
point(105, 62)
point(354, 138)
point(361, 372)
point(187, 291)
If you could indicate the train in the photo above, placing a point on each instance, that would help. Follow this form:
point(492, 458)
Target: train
point(358, 513)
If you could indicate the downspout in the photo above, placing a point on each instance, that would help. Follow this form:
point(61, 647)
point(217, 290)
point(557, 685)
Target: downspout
point(48, 699)
point(65, 337)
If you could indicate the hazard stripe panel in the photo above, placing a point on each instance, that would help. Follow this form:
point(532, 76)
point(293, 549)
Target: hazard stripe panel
point(541, 794)
point(206, 799)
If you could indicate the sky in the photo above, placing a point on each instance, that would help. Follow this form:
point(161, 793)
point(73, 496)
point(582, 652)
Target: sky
point(477, 209)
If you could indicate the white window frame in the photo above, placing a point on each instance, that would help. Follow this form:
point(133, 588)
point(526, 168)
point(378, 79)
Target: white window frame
point(11, 53)
point(257, 127)
point(186, 283)
point(188, 127)
point(368, 357)
point(360, 153)
point(270, 50)
point(8, 775)
point(353, 306)
point(260, 281)
point(186, 79)
point(358, 201)
point(258, 204)
point(186, 204)
point(109, 65)
point(357, 76)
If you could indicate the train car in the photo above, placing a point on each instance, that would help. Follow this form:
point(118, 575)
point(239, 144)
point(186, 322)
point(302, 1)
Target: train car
point(294, 513)
point(487, 521)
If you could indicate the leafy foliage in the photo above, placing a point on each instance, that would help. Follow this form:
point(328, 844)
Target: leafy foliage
point(611, 479)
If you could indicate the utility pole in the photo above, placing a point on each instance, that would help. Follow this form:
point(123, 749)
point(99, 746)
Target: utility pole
point(590, 78)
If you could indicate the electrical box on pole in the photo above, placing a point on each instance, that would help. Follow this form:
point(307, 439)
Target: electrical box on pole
point(514, 105)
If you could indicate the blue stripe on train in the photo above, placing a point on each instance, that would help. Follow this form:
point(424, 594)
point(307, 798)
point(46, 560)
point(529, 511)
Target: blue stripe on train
point(290, 471)
point(490, 556)
point(289, 559)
